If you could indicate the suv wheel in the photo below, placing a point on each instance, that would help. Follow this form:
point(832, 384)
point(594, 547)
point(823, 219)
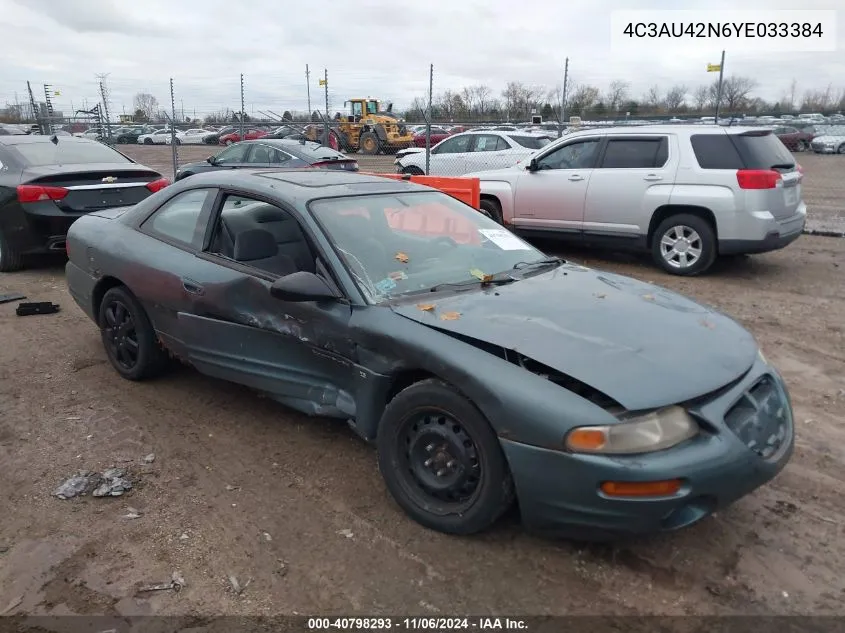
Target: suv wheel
point(684, 244)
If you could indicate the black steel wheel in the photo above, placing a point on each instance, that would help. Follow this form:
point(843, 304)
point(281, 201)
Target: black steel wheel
point(148, 141)
point(491, 209)
point(441, 460)
point(128, 336)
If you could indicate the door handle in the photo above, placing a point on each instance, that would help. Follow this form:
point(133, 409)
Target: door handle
point(653, 177)
point(576, 177)
point(192, 286)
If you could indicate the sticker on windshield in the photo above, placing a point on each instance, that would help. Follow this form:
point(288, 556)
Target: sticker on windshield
point(385, 285)
point(505, 240)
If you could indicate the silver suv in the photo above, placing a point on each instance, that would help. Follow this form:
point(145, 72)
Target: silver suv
point(686, 193)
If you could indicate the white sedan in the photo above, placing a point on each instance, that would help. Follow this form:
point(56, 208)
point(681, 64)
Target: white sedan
point(194, 136)
point(159, 137)
point(471, 151)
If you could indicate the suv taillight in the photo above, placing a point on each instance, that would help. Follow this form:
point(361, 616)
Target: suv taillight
point(758, 178)
point(37, 193)
point(158, 185)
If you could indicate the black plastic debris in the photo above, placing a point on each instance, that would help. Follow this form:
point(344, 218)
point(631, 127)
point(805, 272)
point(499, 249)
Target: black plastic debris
point(14, 296)
point(36, 307)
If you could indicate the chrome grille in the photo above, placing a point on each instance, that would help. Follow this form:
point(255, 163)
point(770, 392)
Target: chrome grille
point(760, 418)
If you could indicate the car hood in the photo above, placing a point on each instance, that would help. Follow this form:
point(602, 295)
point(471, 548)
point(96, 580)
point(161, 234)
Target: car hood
point(643, 346)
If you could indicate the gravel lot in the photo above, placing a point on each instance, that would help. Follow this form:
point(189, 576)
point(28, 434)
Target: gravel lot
point(243, 486)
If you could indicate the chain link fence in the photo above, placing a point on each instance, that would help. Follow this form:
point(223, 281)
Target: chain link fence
point(426, 131)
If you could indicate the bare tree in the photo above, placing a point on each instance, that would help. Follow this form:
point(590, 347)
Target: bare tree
point(653, 98)
point(581, 98)
point(675, 97)
point(616, 94)
point(736, 91)
point(147, 103)
point(481, 95)
point(791, 95)
point(700, 98)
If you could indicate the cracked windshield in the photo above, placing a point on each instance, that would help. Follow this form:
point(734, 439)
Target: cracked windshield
point(399, 244)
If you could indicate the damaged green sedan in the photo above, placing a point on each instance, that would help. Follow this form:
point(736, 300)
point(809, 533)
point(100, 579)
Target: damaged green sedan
point(485, 371)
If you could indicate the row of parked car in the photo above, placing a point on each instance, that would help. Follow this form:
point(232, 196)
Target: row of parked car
point(151, 135)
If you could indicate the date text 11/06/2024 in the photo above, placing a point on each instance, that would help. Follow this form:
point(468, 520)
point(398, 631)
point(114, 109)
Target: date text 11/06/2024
point(723, 29)
point(417, 624)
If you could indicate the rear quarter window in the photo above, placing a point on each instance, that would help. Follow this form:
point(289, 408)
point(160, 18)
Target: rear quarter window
point(740, 151)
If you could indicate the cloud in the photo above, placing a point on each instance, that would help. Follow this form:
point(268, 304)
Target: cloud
point(378, 48)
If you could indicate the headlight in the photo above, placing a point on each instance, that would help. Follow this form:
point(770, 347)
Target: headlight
point(651, 432)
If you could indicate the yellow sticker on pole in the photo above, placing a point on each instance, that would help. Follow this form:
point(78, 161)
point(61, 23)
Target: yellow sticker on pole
point(714, 68)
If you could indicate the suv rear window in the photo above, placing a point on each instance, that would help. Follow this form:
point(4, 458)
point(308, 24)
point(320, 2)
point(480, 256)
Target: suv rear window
point(740, 151)
point(68, 153)
point(531, 142)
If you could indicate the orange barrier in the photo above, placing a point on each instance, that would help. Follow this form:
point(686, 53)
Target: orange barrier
point(467, 190)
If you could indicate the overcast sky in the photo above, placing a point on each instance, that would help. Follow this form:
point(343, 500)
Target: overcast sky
point(373, 48)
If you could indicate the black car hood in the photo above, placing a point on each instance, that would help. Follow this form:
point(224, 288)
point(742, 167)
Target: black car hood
point(643, 346)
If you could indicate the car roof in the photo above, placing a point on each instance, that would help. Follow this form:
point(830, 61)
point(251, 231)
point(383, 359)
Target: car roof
point(640, 130)
point(41, 138)
point(296, 186)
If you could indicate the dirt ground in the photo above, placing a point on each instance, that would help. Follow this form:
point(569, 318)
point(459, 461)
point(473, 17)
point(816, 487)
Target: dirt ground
point(295, 506)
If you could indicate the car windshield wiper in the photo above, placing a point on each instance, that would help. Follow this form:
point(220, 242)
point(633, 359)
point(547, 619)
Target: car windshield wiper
point(492, 280)
point(546, 261)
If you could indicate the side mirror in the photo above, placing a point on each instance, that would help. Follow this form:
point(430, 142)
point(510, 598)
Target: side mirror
point(533, 165)
point(210, 160)
point(302, 286)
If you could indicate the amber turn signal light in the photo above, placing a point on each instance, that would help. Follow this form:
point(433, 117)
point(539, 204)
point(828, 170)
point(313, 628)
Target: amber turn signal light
point(641, 488)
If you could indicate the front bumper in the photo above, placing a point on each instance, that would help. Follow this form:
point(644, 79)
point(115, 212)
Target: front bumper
point(559, 492)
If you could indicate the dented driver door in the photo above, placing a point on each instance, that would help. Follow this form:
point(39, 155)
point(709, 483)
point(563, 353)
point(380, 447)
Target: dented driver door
point(299, 353)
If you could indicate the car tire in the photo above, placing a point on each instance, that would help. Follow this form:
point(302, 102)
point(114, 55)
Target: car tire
point(11, 259)
point(368, 144)
point(841, 149)
point(803, 146)
point(694, 233)
point(178, 142)
point(128, 336)
point(491, 209)
point(413, 170)
point(469, 465)
point(148, 141)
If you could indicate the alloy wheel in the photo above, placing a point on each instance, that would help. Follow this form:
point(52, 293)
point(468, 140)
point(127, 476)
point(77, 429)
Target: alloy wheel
point(121, 335)
point(681, 247)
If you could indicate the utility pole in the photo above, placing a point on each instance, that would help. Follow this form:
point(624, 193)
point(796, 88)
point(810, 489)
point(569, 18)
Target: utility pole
point(36, 113)
point(243, 107)
point(104, 93)
point(562, 110)
point(719, 91)
point(326, 85)
point(48, 103)
point(173, 129)
point(428, 119)
point(308, 88)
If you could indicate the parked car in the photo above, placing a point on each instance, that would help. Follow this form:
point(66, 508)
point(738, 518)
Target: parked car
point(485, 372)
point(250, 134)
point(278, 153)
point(831, 140)
point(46, 185)
point(178, 135)
point(7, 129)
point(437, 135)
point(794, 139)
point(214, 139)
point(126, 135)
point(471, 151)
point(283, 131)
point(158, 137)
point(93, 133)
point(686, 194)
point(195, 136)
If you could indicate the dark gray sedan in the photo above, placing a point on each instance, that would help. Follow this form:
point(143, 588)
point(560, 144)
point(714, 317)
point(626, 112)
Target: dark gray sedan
point(483, 370)
point(271, 153)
